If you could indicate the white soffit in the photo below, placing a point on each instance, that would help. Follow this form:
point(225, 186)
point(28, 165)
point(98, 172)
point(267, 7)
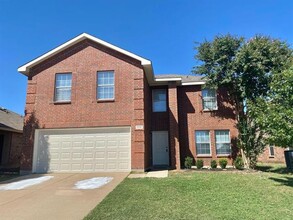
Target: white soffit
point(167, 79)
point(192, 83)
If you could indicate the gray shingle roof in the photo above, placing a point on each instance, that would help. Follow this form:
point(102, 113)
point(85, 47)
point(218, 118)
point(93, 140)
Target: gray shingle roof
point(185, 78)
point(10, 120)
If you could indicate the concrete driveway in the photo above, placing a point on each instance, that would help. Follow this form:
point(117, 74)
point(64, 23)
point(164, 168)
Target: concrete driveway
point(55, 198)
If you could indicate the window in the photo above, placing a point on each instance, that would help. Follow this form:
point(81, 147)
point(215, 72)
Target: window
point(63, 87)
point(209, 98)
point(202, 142)
point(105, 85)
point(223, 142)
point(271, 151)
point(159, 100)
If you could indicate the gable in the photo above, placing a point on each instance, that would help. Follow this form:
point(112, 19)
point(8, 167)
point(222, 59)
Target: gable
point(79, 42)
point(85, 52)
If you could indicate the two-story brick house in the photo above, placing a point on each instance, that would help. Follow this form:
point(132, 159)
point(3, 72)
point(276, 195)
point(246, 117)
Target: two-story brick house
point(92, 106)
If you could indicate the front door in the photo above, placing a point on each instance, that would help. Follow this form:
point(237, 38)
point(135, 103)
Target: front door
point(160, 143)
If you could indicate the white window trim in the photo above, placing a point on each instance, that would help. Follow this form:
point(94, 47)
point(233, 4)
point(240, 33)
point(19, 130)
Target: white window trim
point(63, 87)
point(210, 142)
point(223, 142)
point(270, 155)
point(105, 85)
point(203, 98)
point(153, 99)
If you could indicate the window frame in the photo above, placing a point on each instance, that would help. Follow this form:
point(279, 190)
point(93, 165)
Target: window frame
point(153, 91)
point(210, 143)
point(203, 100)
point(271, 155)
point(219, 154)
point(106, 85)
point(55, 88)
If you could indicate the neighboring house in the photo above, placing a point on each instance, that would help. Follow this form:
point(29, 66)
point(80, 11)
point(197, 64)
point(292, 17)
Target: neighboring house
point(272, 154)
point(92, 106)
point(11, 125)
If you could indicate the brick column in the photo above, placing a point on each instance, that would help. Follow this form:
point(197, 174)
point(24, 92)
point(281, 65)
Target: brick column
point(173, 125)
point(138, 135)
point(30, 124)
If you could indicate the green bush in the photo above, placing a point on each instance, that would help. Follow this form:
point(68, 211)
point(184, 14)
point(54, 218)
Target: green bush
point(223, 163)
point(188, 162)
point(213, 164)
point(238, 163)
point(199, 164)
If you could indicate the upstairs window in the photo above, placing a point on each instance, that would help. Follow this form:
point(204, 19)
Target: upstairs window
point(63, 87)
point(105, 85)
point(209, 99)
point(203, 142)
point(271, 151)
point(159, 100)
point(223, 142)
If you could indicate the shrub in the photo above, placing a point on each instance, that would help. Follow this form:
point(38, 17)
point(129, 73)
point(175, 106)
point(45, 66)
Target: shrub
point(213, 164)
point(199, 164)
point(238, 163)
point(188, 162)
point(223, 163)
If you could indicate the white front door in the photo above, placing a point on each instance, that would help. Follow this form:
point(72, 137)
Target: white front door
point(160, 143)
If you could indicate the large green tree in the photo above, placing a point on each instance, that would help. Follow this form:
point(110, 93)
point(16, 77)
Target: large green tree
point(245, 68)
point(274, 112)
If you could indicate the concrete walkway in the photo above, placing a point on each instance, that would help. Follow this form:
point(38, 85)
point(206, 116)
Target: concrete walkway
point(56, 198)
point(155, 174)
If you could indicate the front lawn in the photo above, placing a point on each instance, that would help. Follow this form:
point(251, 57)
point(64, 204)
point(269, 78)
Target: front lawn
point(201, 195)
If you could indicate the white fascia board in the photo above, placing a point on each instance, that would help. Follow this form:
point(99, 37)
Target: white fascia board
point(167, 79)
point(192, 83)
point(24, 69)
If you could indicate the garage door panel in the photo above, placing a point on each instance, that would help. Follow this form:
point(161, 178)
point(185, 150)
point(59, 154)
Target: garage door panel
point(101, 144)
point(100, 155)
point(123, 165)
point(66, 145)
point(77, 155)
point(77, 145)
point(76, 167)
point(123, 143)
point(112, 155)
point(65, 156)
point(89, 145)
point(124, 155)
point(88, 167)
point(83, 150)
point(88, 156)
point(112, 165)
point(53, 156)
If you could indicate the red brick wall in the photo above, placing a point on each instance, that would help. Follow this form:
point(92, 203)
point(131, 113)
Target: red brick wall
point(147, 123)
point(84, 60)
point(277, 158)
point(192, 118)
point(174, 127)
point(15, 151)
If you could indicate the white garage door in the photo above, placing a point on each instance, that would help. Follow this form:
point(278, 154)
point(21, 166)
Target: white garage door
point(82, 150)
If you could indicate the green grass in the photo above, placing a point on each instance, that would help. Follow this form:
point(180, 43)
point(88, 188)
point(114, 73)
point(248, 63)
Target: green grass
point(273, 168)
point(201, 195)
